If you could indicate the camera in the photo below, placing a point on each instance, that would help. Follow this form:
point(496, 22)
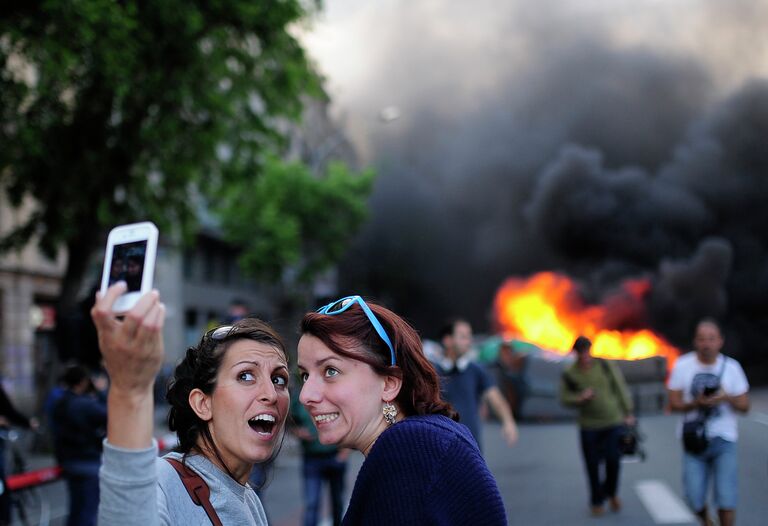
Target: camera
point(710, 390)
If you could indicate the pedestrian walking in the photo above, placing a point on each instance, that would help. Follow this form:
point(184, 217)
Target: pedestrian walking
point(597, 389)
point(79, 419)
point(466, 384)
point(709, 389)
point(369, 387)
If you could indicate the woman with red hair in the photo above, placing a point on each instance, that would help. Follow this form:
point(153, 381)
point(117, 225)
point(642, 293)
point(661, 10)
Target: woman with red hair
point(368, 386)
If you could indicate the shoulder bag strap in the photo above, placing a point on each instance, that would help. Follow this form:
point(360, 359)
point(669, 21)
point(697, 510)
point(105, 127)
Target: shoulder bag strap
point(614, 383)
point(197, 489)
point(722, 369)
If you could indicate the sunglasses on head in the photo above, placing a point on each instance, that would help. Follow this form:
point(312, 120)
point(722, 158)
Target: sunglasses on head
point(340, 305)
point(220, 333)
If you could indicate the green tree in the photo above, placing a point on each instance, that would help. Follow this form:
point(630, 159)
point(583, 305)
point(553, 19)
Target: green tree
point(289, 218)
point(113, 112)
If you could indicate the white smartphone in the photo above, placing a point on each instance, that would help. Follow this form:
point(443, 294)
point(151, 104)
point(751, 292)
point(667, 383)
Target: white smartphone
point(130, 257)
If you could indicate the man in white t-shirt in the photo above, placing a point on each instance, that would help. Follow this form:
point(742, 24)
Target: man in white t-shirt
point(706, 384)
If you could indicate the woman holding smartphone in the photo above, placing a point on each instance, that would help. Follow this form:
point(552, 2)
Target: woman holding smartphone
point(368, 386)
point(229, 401)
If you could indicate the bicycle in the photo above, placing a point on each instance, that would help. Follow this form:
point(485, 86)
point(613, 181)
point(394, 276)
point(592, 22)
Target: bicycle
point(28, 505)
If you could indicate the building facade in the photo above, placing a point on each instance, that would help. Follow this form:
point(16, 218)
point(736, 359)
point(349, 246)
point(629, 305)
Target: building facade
point(29, 286)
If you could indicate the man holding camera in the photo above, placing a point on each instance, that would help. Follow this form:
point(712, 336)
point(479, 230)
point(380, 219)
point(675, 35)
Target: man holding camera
point(709, 387)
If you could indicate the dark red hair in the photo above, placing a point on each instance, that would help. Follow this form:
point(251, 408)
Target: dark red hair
point(351, 334)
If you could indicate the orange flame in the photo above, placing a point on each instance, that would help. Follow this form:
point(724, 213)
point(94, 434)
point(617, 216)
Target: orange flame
point(547, 310)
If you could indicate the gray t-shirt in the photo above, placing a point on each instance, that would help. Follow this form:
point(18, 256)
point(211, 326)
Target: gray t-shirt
point(138, 488)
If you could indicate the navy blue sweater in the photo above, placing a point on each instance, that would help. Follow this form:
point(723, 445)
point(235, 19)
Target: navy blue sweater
point(425, 470)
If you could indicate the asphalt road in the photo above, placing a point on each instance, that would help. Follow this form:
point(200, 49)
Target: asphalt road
point(542, 481)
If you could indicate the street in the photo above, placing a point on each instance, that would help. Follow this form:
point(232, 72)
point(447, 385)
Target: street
point(542, 481)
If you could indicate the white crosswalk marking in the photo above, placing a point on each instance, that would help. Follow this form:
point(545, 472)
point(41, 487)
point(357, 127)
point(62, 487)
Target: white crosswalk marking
point(662, 504)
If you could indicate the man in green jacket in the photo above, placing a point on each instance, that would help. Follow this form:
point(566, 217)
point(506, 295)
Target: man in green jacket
point(597, 389)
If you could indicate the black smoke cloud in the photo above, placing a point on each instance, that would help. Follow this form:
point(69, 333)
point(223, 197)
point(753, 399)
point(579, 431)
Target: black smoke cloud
point(687, 290)
point(694, 224)
point(601, 161)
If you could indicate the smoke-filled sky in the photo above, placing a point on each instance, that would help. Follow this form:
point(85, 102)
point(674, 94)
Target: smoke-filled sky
point(602, 139)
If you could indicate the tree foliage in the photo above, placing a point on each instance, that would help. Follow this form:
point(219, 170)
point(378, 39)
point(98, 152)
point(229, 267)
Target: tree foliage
point(118, 111)
point(289, 218)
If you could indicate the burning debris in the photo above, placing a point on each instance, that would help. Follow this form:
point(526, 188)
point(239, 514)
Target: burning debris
point(547, 310)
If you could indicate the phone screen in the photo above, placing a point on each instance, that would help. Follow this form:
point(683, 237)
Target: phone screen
point(128, 264)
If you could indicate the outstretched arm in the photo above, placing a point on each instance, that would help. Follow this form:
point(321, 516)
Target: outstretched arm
point(132, 348)
point(502, 410)
point(133, 353)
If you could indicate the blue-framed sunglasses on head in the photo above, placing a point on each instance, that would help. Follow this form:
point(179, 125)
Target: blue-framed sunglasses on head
point(340, 305)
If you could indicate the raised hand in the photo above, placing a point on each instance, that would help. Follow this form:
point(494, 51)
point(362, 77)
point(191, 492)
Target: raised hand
point(132, 348)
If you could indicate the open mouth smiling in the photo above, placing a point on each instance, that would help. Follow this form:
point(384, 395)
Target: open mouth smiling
point(263, 424)
point(325, 418)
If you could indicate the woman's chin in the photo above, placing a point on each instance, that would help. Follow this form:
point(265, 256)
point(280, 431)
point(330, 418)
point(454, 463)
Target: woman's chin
point(257, 454)
point(330, 439)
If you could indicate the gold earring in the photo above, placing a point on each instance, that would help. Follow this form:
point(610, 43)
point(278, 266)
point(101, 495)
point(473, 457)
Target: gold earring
point(390, 412)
